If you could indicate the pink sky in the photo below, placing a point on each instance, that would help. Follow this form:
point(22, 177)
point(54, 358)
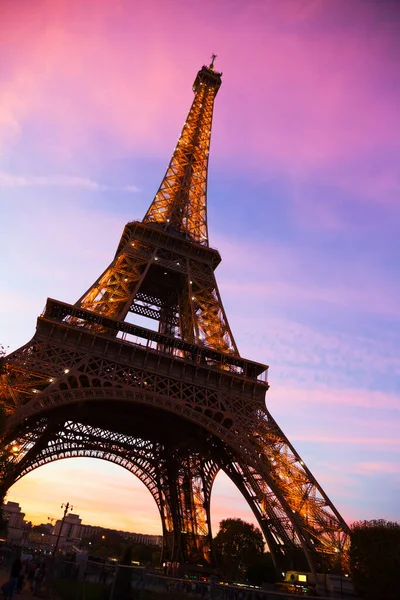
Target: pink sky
point(304, 204)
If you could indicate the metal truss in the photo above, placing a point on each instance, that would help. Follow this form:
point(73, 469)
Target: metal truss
point(182, 494)
point(190, 479)
point(180, 203)
point(286, 498)
point(192, 309)
point(112, 292)
point(174, 404)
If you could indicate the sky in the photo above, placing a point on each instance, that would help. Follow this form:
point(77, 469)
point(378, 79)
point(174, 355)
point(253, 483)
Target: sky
point(303, 204)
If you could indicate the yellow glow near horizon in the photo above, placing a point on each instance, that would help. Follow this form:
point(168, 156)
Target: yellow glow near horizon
point(107, 495)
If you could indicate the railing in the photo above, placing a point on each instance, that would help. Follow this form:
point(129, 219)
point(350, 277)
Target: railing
point(154, 341)
point(103, 579)
point(147, 583)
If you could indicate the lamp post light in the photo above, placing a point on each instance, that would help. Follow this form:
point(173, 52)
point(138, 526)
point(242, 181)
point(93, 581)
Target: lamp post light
point(340, 570)
point(66, 508)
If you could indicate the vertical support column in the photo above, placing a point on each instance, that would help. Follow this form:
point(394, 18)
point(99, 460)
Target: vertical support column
point(195, 482)
point(167, 520)
point(186, 484)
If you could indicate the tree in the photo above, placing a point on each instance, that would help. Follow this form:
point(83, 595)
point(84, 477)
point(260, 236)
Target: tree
point(42, 528)
point(375, 559)
point(261, 570)
point(3, 413)
point(126, 559)
point(146, 554)
point(2, 357)
point(4, 457)
point(105, 544)
point(3, 524)
point(237, 545)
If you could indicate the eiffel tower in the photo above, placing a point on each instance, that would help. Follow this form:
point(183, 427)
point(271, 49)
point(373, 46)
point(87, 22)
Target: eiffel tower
point(173, 404)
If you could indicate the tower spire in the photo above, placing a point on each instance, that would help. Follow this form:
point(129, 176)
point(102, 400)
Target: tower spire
point(180, 205)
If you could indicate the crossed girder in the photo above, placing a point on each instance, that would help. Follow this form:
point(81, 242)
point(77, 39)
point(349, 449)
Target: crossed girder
point(187, 305)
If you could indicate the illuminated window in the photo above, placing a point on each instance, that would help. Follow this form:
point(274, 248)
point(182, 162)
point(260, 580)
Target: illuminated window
point(303, 578)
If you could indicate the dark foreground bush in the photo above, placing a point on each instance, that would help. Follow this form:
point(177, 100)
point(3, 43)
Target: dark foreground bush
point(65, 589)
point(375, 559)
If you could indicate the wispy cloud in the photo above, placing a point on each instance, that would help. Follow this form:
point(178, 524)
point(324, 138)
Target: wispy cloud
point(291, 124)
point(17, 181)
point(370, 441)
point(295, 274)
point(378, 468)
point(360, 398)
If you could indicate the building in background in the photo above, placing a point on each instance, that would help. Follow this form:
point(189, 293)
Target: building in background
point(70, 529)
point(89, 531)
point(70, 532)
point(15, 522)
point(143, 538)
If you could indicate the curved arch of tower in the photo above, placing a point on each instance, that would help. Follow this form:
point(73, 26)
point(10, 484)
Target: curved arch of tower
point(173, 404)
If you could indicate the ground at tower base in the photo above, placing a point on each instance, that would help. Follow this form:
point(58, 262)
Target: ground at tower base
point(87, 559)
point(78, 575)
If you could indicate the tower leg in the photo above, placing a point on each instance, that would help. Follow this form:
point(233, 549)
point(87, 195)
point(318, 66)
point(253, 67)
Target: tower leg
point(301, 526)
point(186, 483)
point(27, 445)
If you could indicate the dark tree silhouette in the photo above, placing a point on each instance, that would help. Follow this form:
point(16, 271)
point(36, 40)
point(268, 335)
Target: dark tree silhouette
point(2, 356)
point(261, 570)
point(105, 544)
point(3, 455)
point(375, 559)
point(237, 545)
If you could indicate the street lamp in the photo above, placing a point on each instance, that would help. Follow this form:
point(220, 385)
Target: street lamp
point(340, 571)
point(66, 508)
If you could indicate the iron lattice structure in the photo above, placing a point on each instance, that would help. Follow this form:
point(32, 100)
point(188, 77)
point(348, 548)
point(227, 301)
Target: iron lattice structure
point(174, 404)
